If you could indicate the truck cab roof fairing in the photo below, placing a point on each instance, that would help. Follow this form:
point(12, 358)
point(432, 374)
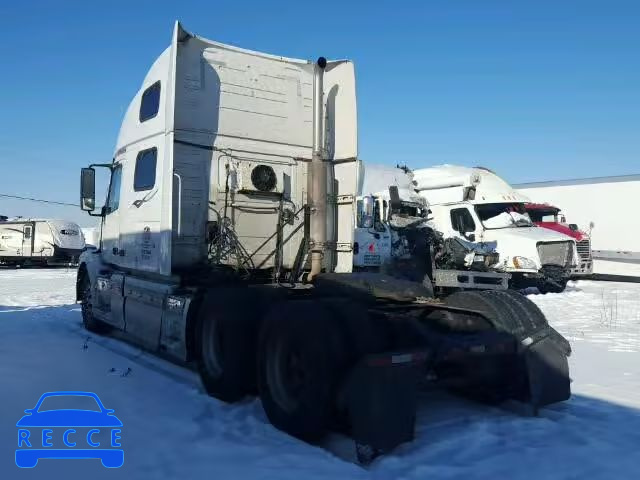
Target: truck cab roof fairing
point(219, 99)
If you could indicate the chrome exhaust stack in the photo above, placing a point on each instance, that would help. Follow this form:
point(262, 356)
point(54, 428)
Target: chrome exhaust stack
point(317, 176)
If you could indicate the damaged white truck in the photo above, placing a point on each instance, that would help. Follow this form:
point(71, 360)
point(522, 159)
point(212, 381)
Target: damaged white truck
point(395, 234)
point(475, 204)
point(227, 243)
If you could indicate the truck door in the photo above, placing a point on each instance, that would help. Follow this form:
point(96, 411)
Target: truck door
point(372, 243)
point(142, 206)
point(27, 240)
point(111, 225)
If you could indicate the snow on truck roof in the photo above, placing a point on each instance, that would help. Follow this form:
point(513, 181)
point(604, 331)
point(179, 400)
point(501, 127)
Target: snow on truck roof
point(445, 184)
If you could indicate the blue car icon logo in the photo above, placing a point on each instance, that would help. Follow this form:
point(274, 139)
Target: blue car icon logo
point(88, 431)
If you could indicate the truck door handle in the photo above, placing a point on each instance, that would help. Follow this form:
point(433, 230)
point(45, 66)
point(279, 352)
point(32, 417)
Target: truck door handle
point(179, 202)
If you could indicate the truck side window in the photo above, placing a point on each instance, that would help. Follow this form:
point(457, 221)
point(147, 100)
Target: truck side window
point(462, 221)
point(144, 177)
point(27, 232)
point(113, 199)
point(150, 102)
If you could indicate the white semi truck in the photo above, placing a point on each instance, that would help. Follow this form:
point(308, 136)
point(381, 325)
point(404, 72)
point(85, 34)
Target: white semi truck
point(479, 206)
point(227, 244)
point(36, 241)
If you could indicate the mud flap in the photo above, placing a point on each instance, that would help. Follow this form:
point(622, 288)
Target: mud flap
point(548, 373)
point(380, 397)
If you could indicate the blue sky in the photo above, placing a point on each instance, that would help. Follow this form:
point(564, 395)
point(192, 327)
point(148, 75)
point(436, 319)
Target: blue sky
point(535, 90)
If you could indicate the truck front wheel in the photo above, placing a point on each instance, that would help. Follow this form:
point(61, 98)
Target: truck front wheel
point(89, 321)
point(302, 359)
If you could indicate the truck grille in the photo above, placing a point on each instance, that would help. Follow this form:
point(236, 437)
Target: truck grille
point(556, 253)
point(584, 249)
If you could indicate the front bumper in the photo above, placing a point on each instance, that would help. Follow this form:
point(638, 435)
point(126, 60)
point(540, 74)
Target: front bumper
point(65, 255)
point(584, 267)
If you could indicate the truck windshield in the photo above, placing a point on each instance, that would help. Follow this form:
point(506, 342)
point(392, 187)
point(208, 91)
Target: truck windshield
point(539, 215)
point(503, 215)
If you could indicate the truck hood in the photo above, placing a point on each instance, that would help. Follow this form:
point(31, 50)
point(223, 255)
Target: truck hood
point(577, 235)
point(522, 242)
point(535, 234)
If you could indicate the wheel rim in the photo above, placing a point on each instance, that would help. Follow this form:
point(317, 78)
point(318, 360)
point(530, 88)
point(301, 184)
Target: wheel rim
point(287, 376)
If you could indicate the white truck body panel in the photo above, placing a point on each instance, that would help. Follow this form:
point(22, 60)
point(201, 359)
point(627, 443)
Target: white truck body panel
point(615, 237)
point(222, 111)
point(375, 244)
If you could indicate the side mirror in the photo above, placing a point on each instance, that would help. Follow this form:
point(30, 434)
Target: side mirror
point(573, 227)
point(88, 189)
point(591, 225)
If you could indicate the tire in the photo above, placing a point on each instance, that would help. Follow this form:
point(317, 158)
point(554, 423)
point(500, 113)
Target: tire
point(89, 322)
point(494, 382)
point(539, 321)
point(302, 360)
point(364, 334)
point(225, 343)
point(552, 287)
point(501, 318)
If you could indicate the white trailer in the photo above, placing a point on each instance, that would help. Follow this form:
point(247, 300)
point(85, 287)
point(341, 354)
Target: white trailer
point(479, 206)
point(227, 243)
point(599, 206)
point(32, 241)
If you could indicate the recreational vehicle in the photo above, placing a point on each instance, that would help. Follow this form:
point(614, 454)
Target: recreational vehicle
point(30, 241)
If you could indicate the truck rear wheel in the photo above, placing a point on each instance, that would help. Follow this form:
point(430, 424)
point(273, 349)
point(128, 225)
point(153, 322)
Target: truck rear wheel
point(501, 318)
point(538, 320)
point(301, 362)
point(513, 313)
point(492, 380)
point(225, 343)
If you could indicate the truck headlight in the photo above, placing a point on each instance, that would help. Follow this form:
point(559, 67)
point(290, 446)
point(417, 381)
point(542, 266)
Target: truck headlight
point(524, 263)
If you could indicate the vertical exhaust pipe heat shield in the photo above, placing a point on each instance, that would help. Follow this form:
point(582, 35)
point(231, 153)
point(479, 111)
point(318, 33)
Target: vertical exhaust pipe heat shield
point(317, 176)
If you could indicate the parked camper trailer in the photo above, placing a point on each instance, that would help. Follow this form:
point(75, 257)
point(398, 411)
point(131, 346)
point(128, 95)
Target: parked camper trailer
point(479, 206)
point(227, 240)
point(26, 241)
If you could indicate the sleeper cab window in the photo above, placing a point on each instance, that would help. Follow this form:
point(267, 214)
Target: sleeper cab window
point(150, 102)
point(144, 177)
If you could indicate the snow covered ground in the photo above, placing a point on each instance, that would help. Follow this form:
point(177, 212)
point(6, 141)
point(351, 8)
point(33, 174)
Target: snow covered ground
point(173, 430)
